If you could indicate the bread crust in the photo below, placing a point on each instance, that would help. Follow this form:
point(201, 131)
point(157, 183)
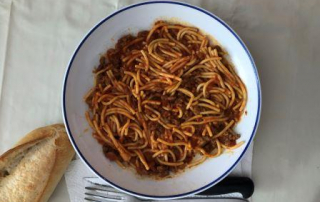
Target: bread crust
point(50, 150)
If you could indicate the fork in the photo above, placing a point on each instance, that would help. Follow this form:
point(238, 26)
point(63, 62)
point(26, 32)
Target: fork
point(104, 193)
point(233, 189)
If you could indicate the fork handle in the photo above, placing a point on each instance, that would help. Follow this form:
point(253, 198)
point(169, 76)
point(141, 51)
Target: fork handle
point(243, 185)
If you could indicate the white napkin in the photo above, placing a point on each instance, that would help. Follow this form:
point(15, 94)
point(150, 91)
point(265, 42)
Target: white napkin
point(77, 171)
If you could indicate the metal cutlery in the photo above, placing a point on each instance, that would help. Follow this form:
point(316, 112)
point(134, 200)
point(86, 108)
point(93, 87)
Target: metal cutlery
point(231, 189)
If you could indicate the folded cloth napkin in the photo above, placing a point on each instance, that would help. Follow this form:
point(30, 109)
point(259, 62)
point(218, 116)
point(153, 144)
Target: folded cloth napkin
point(77, 171)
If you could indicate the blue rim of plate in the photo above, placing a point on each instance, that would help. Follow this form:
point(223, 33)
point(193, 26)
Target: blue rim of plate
point(64, 113)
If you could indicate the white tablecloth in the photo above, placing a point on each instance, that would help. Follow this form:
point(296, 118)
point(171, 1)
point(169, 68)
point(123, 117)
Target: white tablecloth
point(37, 38)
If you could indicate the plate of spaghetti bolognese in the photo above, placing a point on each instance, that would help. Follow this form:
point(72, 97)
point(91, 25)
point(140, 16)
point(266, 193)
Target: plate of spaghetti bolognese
point(161, 99)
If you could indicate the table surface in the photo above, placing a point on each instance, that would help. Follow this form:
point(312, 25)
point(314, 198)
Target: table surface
point(38, 37)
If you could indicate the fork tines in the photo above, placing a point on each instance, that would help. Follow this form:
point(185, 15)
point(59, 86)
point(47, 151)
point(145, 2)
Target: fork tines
point(102, 193)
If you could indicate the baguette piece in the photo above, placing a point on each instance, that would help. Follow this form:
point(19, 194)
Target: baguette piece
point(31, 170)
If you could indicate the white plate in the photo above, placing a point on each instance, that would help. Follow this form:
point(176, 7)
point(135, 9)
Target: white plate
point(79, 79)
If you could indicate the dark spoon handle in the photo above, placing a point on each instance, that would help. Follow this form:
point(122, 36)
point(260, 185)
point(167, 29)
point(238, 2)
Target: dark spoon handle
point(243, 185)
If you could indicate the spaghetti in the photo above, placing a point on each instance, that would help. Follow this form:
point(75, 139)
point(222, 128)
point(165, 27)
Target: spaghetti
point(165, 100)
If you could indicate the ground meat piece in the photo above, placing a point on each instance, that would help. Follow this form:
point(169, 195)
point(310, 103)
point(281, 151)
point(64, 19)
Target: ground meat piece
point(198, 131)
point(184, 41)
point(105, 148)
point(110, 153)
point(190, 85)
point(116, 73)
point(102, 60)
point(163, 171)
point(173, 32)
point(154, 36)
point(151, 161)
point(188, 159)
point(148, 157)
point(209, 147)
point(165, 114)
point(152, 126)
point(228, 112)
point(102, 64)
point(166, 100)
point(153, 96)
point(111, 156)
point(188, 114)
point(229, 139)
point(114, 58)
point(152, 166)
point(128, 68)
point(176, 152)
point(143, 34)
point(194, 46)
point(180, 98)
point(166, 97)
point(148, 112)
point(134, 102)
point(194, 143)
point(200, 55)
point(123, 41)
point(175, 121)
point(141, 170)
point(159, 130)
